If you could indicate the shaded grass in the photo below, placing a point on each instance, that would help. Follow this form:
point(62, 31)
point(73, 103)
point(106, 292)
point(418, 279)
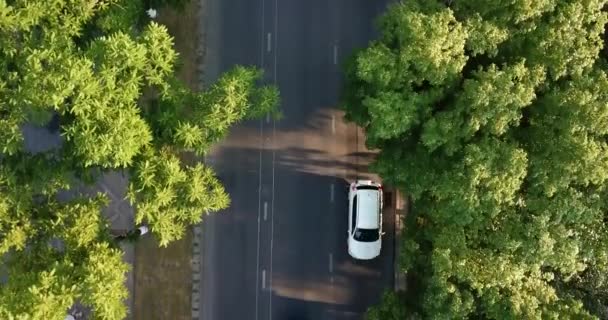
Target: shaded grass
point(163, 279)
point(183, 26)
point(163, 276)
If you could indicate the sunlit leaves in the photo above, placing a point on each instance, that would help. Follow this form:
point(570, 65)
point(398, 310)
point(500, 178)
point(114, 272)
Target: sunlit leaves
point(45, 245)
point(229, 100)
point(195, 121)
point(506, 13)
point(190, 136)
point(570, 41)
point(484, 36)
point(109, 139)
point(402, 73)
point(46, 281)
point(103, 275)
point(429, 44)
point(108, 83)
point(11, 138)
point(567, 138)
point(491, 101)
point(170, 197)
point(493, 119)
point(78, 223)
point(21, 178)
point(160, 54)
point(40, 294)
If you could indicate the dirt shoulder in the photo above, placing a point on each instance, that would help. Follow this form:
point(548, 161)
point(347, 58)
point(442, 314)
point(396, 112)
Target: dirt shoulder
point(163, 276)
point(184, 27)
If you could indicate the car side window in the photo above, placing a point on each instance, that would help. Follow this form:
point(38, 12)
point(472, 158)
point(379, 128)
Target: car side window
point(354, 214)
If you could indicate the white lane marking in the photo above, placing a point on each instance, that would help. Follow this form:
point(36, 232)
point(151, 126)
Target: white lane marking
point(331, 263)
point(335, 54)
point(263, 278)
point(257, 273)
point(257, 266)
point(268, 41)
point(333, 124)
point(276, 41)
point(262, 55)
point(265, 210)
point(276, 32)
point(272, 218)
point(331, 193)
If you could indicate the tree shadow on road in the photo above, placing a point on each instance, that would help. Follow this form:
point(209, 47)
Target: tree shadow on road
point(313, 277)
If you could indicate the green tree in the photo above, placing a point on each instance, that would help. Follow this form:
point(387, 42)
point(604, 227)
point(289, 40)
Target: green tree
point(195, 121)
point(55, 254)
point(391, 308)
point(110, 78)
point(170, 197)
point(491, 116)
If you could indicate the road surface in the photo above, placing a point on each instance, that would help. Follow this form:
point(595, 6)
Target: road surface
point(279, 252)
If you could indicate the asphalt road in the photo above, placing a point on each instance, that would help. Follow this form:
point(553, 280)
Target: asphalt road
point(279, 252)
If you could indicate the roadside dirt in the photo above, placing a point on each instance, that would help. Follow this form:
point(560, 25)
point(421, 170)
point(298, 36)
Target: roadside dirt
point(163, 280)
point(163, 276)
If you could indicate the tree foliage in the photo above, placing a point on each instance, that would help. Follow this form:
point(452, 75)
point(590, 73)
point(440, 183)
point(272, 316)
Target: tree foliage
point(195, 121)
point(170, 197)
point(390, 309)
point(62, 255)
point(492, 115)
point(89, 63)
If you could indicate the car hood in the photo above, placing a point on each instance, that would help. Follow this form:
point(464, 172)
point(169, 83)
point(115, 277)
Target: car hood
point(364, 250)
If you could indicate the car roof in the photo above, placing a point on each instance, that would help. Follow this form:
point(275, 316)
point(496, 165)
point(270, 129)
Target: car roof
point(368, 207)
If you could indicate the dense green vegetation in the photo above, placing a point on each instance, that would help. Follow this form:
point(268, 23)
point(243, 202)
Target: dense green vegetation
point(108, 74)
point(493, 117)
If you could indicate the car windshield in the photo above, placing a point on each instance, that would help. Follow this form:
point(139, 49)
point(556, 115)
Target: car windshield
point(367, 235)
point(365, 187)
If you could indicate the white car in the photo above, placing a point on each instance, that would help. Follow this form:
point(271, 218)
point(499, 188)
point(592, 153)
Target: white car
point(364, 219)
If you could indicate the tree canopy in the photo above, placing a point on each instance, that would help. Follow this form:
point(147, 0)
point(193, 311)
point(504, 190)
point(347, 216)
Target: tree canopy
point(492, 117)
point(109, 77)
